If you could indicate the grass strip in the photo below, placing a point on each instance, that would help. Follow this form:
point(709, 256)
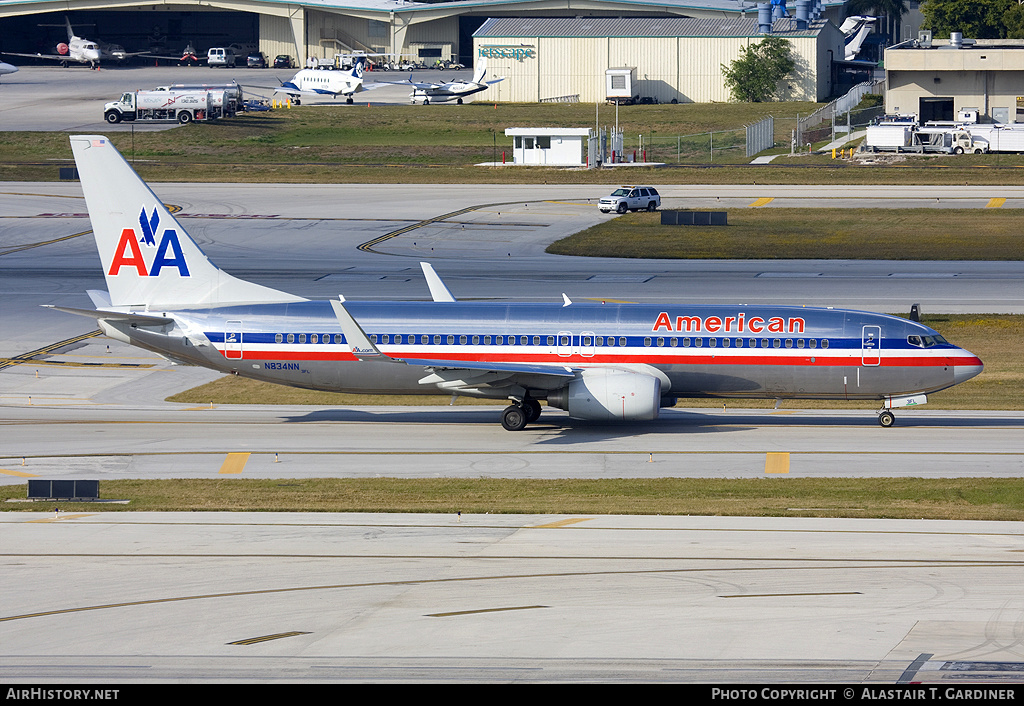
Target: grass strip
point(811, 233)
point(994, 338)
point(901, 498)
point(359, 144)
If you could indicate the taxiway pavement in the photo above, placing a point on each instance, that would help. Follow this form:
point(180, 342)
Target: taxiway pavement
point(198, 597)
point(302, 598)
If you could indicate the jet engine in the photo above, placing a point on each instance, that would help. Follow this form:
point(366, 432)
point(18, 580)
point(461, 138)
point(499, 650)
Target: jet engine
point(608, 394)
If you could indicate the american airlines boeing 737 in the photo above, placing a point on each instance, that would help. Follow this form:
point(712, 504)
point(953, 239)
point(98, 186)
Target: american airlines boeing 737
point(596, 361)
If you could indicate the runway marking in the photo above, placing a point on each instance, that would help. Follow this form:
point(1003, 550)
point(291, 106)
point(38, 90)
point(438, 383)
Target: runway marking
point(77, 364)
point(929, 565)
point(27, 357)
point(29, 246)
point(171, 208)
point(911, 671)
point(763, 201)
point(19, 474)
point(368, 246)
point(234, 463)
point(61, 517)
point(563, 523)
point(786, 595)
point(776, 462)
point(483, 610)
point(995, 203)
point(267, 638)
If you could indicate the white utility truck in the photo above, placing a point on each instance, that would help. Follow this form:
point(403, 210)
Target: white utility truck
point(163, 106)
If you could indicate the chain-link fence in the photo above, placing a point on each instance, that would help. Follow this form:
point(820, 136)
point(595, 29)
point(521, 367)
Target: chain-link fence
point(715, 147)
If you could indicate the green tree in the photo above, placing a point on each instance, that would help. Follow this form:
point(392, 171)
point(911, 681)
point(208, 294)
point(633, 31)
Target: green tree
point(754, 77)
point(1014, 20)
point(977, 19)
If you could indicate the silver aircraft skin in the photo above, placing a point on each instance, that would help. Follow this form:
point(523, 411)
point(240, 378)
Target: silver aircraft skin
point(596, 361)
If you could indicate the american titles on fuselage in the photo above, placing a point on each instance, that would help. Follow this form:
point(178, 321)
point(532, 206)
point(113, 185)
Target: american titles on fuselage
point(728, 324)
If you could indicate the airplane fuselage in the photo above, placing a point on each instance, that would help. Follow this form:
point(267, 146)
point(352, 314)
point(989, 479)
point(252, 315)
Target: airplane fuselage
point(595, 361)
point(323, 82)
point(722, 351)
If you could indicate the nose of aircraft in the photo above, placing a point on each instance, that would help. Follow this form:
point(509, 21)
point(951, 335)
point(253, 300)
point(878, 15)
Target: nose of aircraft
point(966, 366)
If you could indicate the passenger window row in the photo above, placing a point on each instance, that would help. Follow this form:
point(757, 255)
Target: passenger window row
point(564, 340)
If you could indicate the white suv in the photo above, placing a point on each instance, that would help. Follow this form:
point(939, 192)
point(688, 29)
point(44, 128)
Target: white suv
point(631, 198)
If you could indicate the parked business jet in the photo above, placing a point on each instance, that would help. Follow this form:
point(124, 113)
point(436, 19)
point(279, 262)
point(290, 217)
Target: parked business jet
point(325, 82)
point(82, 51)
point(596, 361)
point(426, 93)
point(6, 68)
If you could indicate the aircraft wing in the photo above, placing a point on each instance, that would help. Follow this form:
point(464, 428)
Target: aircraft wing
point(167, 57)
point(415, 84)
point(451, 374)
point(52, 57)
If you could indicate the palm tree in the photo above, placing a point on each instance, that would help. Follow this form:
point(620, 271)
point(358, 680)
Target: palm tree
point(892, 10)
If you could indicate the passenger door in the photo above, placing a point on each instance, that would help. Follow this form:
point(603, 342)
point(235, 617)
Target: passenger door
point(871, 346)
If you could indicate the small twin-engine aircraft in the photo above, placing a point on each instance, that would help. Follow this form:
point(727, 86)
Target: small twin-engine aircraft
point(596, 361)
point(426, 93)
point(325, 82)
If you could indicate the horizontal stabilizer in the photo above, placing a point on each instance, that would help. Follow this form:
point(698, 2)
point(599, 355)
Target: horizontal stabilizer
point(127, 317)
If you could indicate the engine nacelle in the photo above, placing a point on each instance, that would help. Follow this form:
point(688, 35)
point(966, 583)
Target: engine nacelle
point(607, 394)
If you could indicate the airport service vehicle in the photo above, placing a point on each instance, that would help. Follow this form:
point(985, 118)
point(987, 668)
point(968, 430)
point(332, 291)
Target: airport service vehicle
point(325, 82)
point(164, 106)
point(901, 133)
point(220, 56)
point(226, 97)
point(631, 198)
point(596, 361)
point(996, 138)
point(426, 93)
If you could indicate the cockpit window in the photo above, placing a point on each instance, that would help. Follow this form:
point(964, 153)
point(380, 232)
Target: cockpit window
point(927, 341)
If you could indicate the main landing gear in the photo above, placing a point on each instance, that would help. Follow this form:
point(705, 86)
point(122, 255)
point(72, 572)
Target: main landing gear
point(518, 415)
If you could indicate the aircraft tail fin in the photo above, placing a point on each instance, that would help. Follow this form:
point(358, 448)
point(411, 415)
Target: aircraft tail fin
point(481, 70)
point(148, 258)
point(357, 68)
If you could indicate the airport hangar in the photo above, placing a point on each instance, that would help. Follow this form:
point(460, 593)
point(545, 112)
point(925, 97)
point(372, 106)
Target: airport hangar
point(684, 66)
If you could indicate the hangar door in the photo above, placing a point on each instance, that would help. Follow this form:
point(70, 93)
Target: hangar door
point(935, 109)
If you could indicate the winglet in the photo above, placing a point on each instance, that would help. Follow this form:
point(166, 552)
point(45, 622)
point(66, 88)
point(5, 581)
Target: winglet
point(565, 300)
point(358, 341)
point(438, 291)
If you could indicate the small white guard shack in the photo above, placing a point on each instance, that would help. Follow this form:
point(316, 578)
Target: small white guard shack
point(551, 146)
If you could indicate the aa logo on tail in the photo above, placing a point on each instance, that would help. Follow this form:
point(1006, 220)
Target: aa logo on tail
point(168, 252)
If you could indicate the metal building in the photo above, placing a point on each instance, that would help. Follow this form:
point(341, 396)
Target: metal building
point(676, 59)
point(420, 31)
point(935, 80)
